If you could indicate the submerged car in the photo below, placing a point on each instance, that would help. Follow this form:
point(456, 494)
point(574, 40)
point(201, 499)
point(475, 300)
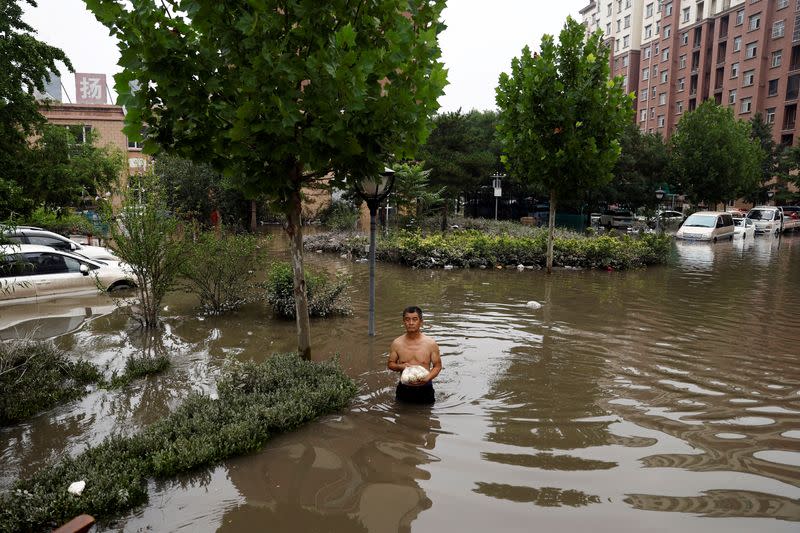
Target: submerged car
point(616, 218)
point(707, 226)
point(33, 235)
point(767, 219)
point(743, 227)
point(31, 272)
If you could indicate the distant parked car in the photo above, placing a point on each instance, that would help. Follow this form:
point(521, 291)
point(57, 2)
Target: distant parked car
point(33, 235)
point(671, 218)
point(31, 272)
point(616, 218)
point(743, 227)
point(707, 226)
point(767, 218)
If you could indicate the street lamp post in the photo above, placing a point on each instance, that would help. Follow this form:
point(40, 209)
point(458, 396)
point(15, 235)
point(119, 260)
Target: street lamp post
point(373, 191)
point(659, 196)
point(497, 185)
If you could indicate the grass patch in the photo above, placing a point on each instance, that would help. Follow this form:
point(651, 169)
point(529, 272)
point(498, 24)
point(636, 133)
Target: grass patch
point(137, 367)
point(35, 376)
point(256, 402)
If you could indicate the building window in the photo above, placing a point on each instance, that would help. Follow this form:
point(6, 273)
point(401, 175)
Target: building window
point(783, 3)
point(668, 9)
point(667, 31)
point(770, 115)
point(648, 31)
point(737, 43)
point(739, 17)
point(627, 4)
point(749, 76)
point(626, 41)
point(643, 95)
point(732, 96)
point(686, 11)
point(682, 61)
point(80, 133)
point(645, 73)
point(625, 83)
point(616, 46)
point(627, 21)
point(777, 55)
point(619, 5)
point(685, 38)
point(608, 29)
point(643, 115)
point(608, 11)
point(662, 99)
point(648, 10)
point(746, 104)
point(619, 25)
point(652, 112)
point(647, 53)
point(773, 88)
point(679, 107)
point(778, 28)
point(734, 70)
point(654, 93)
point(664, 77)
point(755, 21)
point(751, 50)
point(660, 121)
point(665, 54)
point(682, 84)
point(625, 61)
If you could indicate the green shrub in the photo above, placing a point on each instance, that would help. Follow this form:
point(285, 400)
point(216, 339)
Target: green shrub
point(220, 270)
point(339, 216)
point(256, 401)
point(62, 221)
point(325, 296)
point(35, 376)
point(137, 367)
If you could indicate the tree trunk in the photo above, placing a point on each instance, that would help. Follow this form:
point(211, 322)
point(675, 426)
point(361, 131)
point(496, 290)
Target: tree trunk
point(445, 205)
point(253, 223)
point(295, 233)
point(551, 226)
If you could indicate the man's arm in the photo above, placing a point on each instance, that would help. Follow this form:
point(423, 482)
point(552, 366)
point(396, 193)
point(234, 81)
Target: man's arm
point(436, 360)
point(394, 359)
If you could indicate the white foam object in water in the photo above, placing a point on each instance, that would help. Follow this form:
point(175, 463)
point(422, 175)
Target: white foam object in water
point(534, 304)
point(77, 488)
point(413, 374)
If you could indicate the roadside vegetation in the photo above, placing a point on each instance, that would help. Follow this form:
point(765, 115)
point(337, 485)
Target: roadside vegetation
point(255, 402)
point(326, 295)
point(514, 245)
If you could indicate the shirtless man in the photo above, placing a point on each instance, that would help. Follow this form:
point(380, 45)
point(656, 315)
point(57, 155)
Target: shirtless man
point(415, 348)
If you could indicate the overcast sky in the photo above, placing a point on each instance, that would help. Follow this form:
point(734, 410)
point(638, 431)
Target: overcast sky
point(480, 40)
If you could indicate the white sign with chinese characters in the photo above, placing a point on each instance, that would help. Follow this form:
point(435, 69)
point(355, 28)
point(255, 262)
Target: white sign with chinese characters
point(90, 88)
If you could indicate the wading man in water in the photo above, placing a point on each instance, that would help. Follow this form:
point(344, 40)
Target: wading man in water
point(415, 348)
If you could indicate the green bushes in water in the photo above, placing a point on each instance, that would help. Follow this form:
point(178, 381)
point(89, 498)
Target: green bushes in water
point(325, 295)
point(35, 376)
point(256, 401)
point(339, 216)
point(220, 269)
point(473, 248)
point(137, 367)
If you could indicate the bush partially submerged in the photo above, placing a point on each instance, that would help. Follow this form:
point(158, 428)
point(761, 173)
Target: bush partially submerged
point(527, 246)
point(137, 367)
point(339, 216)
point(256, 401)
point(326, 296)
point(220, 270)
point(35, 376)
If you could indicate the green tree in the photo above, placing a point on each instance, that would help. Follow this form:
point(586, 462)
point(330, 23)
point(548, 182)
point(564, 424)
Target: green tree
point(412, 192)
point(771, 163)
point(712, 155)
point(561, 116)
point(790, 171)
point(461, 153)
point(25, 64)
point(279, 95)
point(640, 170)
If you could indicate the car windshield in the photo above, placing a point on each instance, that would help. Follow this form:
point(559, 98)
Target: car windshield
point(701, 221)
point(760, 214)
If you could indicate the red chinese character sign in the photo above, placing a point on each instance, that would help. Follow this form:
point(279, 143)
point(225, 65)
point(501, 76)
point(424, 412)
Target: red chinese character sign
point(90, 88)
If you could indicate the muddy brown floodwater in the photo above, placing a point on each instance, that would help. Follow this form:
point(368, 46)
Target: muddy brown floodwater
point(665, 399)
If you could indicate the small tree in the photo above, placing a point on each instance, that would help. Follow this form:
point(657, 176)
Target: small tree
point(713, 156)
point(561, 116)
point(144, 235)
point(412, 193)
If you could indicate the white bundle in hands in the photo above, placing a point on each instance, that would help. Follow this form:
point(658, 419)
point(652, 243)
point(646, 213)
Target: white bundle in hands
point(413, 374)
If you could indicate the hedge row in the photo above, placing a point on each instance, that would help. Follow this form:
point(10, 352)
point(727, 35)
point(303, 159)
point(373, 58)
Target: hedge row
point(255, 402)
point(472, 248)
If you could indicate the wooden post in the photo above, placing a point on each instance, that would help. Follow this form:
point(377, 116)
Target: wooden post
point(79, 524)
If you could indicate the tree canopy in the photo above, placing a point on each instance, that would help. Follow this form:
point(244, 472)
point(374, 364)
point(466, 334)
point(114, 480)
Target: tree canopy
point(280, 94)
point(713, 157)
point(561, 116)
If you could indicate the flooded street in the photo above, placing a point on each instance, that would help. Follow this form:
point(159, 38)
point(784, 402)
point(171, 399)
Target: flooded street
point(665, 399)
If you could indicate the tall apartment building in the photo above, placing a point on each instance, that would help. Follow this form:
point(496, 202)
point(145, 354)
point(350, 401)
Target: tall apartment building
point(674, 54)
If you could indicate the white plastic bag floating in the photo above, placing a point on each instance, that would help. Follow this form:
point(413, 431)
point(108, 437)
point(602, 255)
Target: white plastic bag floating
point(413, 374)
point(77, 488)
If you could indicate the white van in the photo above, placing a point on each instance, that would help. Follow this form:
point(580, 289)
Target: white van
point(707, 226)
point(767, 218)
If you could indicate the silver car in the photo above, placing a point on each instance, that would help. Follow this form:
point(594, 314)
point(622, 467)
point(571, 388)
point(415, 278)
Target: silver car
point(30, 273)
point(33, 235)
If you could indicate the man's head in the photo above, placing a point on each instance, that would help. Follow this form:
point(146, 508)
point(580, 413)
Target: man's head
point(412, 318)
